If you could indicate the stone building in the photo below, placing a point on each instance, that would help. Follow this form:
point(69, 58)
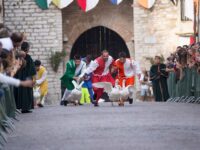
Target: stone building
point(138, 31)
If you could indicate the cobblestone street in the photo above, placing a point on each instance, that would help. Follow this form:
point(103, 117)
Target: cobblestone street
point(141, 126)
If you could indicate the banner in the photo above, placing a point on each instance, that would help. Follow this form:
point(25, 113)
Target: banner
point(146, 3)
point(116, 2)
point(43, 4)
point(87, 5)
point(62, 3)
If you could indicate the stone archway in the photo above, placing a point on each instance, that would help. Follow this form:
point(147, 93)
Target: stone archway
point(116, 18)
point(96, 39)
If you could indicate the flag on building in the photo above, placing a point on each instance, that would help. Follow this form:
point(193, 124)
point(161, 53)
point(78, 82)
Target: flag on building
point(62, 3)
point(87, 5)
point(146, 3)
point(116, 2)
point(189, 9)
point(43, 4)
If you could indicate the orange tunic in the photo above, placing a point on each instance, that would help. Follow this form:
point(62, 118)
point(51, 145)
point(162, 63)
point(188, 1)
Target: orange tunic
point(130, 80)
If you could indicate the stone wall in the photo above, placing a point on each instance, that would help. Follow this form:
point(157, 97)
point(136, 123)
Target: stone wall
point(44, 30)
point(1, 11)
point(156, 29)
point(117, 18)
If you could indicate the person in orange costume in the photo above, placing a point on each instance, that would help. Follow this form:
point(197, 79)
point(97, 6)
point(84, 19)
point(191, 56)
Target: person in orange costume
point(127, 69)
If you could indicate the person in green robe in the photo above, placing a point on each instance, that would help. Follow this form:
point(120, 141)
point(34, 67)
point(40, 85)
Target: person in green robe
point(23, 95)
point(74, 71)
point(158, 76)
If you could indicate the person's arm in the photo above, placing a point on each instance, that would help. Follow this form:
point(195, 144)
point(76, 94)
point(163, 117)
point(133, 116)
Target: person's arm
point(15, 82)
point(42, 79)
point(153, 73)
point(9, 80)
point(163, 71)
point(92, 67)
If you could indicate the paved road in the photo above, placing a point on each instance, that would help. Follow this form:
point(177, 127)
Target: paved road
point(142, 126)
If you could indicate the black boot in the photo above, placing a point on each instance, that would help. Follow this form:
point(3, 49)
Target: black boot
point(130, 100)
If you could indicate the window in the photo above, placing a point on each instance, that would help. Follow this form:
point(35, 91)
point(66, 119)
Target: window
point(183, 18)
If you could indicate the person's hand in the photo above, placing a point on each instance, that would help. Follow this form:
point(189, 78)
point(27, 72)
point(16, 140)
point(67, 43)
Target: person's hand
point(76, 78)
point(27, 83)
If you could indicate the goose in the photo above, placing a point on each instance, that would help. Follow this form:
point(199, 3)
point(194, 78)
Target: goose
point(73, 96)
point(113, 92)
point(126, 92)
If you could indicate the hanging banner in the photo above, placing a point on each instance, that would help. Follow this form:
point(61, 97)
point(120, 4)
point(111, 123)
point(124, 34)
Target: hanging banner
point(146, 3)
point(62, 3)
point(87, 5)
point(43, 4)
point(116, 2)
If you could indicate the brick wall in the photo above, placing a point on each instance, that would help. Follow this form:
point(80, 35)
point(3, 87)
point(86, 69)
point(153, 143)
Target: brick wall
point(117, 18)
point(44, 30)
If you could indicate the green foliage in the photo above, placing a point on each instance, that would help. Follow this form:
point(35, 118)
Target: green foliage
point(151, 59)
point(56, 58)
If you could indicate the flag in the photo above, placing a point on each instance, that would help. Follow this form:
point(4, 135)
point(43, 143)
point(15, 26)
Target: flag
point(189, 9)
point(43, 4)
point(146, 3)
point(87, 5)
point(116, 2)
point(62, 3)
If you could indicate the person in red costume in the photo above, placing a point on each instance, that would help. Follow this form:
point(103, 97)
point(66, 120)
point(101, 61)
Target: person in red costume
point(101, 69)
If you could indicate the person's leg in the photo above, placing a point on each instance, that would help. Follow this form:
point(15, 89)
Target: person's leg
point(82, 100)
point(142, 94)
point(98, 92)
point(130, 81)
point(91, 94)
point(87, 96)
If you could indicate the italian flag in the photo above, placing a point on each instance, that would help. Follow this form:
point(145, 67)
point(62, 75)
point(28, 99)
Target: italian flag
point(43, 4)
point(87, 5)
point(146, 3)
point(116, 2)
point(62, 3)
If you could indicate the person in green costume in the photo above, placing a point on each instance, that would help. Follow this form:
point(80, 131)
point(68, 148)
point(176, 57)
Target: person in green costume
point(74, 71)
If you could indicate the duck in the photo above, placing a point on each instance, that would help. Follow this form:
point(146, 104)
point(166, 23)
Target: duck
point(113, 92)
point(74, 96)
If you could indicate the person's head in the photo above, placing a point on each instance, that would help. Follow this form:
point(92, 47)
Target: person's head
point(122, 57)
point(88, 59)
point(17, 39)
point(25, 47)
point(77, 60)
point(157, 59)
point(105, 55)
point(37, 64)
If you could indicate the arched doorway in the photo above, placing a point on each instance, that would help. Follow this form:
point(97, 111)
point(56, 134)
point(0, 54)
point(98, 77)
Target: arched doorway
point(96, 39)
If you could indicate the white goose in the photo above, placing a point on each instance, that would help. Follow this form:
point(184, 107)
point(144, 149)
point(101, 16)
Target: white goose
point(73, 96)
point(126, 92)
point(113, 92)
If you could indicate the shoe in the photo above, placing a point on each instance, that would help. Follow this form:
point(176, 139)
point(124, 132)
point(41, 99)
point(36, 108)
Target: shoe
point(26, 111)
point(130, 101)
point(65, 103)
point(96, 104)
point(101, 100)
point(40, 105)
